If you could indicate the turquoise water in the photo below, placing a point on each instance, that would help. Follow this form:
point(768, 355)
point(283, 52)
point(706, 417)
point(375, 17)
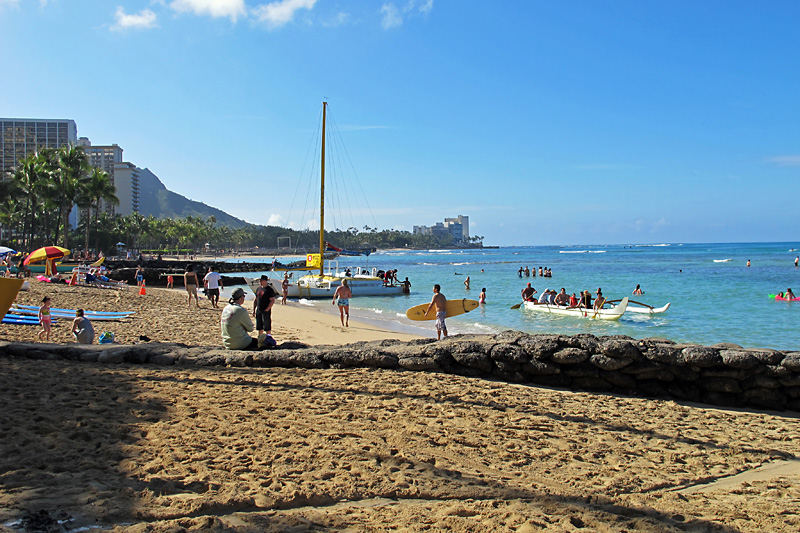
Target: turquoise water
point(713, 300)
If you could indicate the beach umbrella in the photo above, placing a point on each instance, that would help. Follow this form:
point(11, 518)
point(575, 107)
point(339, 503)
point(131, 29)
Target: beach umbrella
point(4, 250)
point(46, 253)
point(120, 244)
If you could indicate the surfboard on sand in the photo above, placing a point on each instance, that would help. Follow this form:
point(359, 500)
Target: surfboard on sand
point(453, 308)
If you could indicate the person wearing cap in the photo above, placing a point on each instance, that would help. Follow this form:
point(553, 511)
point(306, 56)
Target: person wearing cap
point(528, 292)
point(235, 324)
point(262, 307)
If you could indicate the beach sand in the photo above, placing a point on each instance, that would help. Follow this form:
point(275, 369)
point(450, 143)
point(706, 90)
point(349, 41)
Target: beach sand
point(164, 316)
point(235, 449)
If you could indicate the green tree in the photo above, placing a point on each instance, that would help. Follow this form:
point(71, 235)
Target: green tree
point(72, 171)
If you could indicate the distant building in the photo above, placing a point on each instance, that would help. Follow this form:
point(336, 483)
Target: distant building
point(456, 230)
point(104, 158)
point(20, 137)
point(126, 181)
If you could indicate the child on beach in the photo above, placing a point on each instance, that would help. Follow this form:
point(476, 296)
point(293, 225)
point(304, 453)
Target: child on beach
point(45, 318)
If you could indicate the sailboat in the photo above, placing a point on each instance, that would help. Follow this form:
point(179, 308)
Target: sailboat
point(362, 282)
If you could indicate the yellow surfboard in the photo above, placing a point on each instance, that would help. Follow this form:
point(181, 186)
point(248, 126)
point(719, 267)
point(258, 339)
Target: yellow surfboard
point(453, 308)
point(9, 287)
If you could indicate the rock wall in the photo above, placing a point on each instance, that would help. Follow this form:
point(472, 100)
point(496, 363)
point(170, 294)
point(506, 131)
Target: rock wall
point(723, 374)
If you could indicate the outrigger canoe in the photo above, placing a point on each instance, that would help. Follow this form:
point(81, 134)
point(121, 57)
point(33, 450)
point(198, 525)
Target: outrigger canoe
point(643, 309)
point(601, 314)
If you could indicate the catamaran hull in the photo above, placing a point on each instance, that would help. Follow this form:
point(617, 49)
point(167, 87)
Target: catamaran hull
point(313, 287)
point(600, 314)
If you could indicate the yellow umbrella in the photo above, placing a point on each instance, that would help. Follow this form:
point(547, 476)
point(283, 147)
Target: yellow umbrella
point(49, 254)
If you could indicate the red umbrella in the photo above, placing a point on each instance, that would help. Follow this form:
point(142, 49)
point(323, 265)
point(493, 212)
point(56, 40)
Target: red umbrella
point(48, 252)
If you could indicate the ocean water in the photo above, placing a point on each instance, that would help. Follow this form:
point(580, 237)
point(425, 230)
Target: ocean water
point(714, 296)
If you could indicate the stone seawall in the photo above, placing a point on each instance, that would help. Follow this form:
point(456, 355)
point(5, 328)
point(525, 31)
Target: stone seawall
point(722, 374)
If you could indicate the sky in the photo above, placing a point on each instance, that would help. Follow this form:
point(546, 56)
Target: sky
point(576, 122)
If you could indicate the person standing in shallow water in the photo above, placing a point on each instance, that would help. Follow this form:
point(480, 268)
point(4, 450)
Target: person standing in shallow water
point(440, 302)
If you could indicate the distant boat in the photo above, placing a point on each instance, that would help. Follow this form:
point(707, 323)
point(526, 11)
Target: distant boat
point(324, 284)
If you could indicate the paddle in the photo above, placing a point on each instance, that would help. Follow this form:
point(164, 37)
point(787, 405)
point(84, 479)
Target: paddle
point(599, 307)
point(518, 305)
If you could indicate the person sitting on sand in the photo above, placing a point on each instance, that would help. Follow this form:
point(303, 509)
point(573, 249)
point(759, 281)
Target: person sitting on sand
point(235, 324)
point(82, 328)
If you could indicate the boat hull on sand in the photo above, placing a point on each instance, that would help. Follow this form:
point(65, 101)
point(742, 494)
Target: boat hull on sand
point(601, 314)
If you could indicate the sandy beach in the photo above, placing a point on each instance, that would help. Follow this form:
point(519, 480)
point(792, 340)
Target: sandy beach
point(145, 448)
point(164, 316)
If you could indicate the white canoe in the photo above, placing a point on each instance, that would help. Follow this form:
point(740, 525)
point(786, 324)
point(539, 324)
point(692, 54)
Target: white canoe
point(601, 314)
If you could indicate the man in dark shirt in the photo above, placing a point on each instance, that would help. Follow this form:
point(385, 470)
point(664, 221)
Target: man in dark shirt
point(262, 306)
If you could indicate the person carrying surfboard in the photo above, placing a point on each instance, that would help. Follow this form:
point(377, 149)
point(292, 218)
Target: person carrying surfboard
point(440, 302)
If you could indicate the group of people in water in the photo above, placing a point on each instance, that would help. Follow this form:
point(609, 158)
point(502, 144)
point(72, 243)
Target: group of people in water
point(527, 272)
point(551, 297)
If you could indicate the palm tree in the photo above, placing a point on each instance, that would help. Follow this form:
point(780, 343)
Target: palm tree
point(97, 187)
point(73, 167)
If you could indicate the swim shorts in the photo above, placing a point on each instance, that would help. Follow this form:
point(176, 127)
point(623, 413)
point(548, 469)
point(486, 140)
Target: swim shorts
point(264, 320)
point(191, 288)
point(212, 292)
point(440, 316)
point(344, 302)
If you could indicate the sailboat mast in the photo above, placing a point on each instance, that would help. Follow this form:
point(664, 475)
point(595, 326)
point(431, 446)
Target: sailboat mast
point(322, 197)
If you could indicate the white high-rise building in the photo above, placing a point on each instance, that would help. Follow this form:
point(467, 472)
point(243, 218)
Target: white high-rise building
point(126, 181)
point(20, 137)
point(104, 158)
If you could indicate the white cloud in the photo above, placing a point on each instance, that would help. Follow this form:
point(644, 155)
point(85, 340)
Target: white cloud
point(340, 19)
point(214, 8)
point(426, 7)
point(281, 12)
point(785, 160)
point(144, 19)
point(275, 220)
point(391, 17)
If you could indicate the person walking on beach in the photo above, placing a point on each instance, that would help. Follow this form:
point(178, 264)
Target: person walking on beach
point(170, 280)
point(440, 302)
point(139, 276)
point(235, 324)
point(213, 284)
point(343, 293)
point(45, 318)
point(191, 283)
point(82, 328)
point(285, 288)
point(262, 308)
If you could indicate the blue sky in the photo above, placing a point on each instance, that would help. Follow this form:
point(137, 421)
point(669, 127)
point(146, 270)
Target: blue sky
point(577, 122)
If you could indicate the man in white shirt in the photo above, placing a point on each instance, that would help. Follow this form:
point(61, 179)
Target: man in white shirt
point(213, 283)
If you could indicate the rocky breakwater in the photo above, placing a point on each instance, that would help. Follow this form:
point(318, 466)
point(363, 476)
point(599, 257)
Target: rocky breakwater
point(723, 374)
